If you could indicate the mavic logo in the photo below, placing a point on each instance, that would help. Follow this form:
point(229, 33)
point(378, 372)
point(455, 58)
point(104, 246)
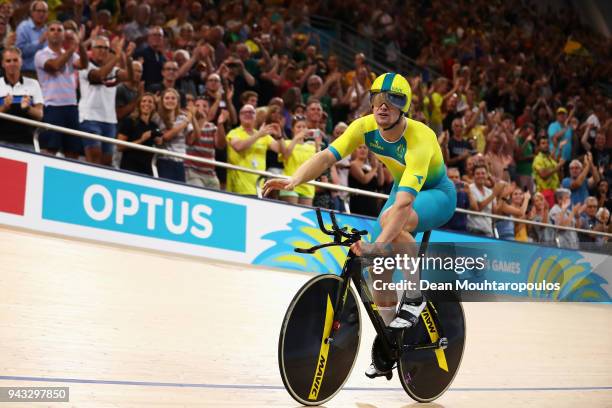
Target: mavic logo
point(419, 178)
point(431, 328)
point(314, 392)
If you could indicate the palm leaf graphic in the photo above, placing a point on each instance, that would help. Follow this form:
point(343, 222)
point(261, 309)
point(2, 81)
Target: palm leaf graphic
point(573, 274)
point(304, 234)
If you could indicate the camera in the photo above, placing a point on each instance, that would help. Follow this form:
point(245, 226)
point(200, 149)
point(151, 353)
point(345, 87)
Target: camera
point(311, 135)
point(157, 132)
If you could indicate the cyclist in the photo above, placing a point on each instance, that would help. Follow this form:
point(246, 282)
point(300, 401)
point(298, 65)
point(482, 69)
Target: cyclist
point(422, 197)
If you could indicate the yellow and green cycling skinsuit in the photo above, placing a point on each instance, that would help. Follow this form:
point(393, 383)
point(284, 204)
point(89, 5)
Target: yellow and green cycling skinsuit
point(416, 163)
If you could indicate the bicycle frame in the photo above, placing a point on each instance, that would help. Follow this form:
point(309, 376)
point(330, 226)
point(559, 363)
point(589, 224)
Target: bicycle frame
point(350, 272)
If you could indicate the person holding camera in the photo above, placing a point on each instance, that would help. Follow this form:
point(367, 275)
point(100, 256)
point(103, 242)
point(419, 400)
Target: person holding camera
point(20, 96)
point(246, 147)
point(304, 145)
point(139, 128)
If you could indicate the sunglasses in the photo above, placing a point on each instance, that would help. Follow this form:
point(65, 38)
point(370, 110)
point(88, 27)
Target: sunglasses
point(393, 99)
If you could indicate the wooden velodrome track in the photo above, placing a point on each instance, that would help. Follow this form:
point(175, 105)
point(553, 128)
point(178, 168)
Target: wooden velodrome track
point(129, 328)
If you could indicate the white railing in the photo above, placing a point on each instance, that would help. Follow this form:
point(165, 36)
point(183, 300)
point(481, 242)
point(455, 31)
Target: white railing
point(328, 186)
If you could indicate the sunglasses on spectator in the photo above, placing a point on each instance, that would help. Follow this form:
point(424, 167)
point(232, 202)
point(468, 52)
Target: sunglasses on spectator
point(247, 112)
point(213, 80)
point(101, 47)
point(171, 69)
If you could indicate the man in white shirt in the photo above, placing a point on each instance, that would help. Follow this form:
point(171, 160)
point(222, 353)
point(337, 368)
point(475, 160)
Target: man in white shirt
point(482, 199)
point(20, 96)
point(98, 84)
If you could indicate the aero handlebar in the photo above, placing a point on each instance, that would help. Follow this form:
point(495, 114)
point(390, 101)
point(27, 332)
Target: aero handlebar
point(338, 233)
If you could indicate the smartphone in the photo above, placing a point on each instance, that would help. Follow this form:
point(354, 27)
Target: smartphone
point(311, 135)
point(16, 99)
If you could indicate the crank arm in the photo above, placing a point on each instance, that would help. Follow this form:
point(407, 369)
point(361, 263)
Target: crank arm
point(442, 344)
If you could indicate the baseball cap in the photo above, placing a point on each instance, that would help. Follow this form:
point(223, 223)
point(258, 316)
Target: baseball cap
point(561, 110)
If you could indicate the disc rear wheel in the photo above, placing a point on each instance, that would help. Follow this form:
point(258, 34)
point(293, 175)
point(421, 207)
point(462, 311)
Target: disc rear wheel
point(427, 374)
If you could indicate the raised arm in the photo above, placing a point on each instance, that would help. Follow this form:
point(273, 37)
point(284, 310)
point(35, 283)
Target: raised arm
point(55, 64)
point(96, 76)
point(344, 145)
point(241, 145)
point(220, 142)
point(584, 140)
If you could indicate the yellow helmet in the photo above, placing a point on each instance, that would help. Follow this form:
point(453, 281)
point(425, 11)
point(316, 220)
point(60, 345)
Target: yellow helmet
point(396, 88)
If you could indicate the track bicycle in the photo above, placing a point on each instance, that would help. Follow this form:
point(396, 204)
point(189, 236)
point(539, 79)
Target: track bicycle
point(320, 333)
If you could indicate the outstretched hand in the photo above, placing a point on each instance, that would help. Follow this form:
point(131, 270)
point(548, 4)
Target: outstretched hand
point(278, 184)
point(361, 248)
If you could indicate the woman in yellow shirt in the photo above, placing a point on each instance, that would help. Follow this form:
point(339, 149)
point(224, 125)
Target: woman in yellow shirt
point(305, 144)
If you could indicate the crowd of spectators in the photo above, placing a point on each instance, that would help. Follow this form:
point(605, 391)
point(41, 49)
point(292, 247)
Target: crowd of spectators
point(524, 128)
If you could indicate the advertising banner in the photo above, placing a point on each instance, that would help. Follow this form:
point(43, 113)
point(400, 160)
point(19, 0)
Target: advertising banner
point(58, 196)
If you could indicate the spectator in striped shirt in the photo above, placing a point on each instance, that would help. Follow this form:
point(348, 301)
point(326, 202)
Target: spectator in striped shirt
point(56, 68)
point(202, 143)
point(175, 127)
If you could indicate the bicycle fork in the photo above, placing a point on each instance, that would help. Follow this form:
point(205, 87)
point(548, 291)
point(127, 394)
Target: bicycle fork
point(340, 300)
